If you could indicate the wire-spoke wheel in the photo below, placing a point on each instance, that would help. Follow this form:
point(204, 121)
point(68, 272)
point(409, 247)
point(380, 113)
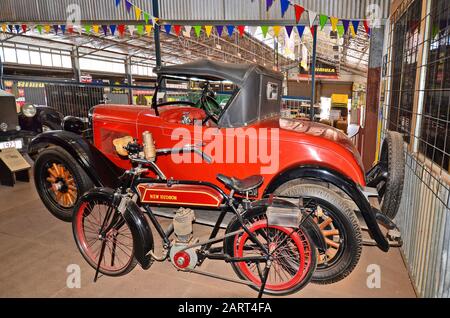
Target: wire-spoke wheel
point(103, 237)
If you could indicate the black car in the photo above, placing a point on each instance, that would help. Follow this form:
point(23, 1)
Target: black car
point(18, 128)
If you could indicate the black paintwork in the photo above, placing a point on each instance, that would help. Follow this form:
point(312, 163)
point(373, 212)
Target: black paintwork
point(343, 183)
point(100, 169)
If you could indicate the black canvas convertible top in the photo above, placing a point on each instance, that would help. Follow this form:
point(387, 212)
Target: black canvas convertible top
point(215, 71)
point(259, 94)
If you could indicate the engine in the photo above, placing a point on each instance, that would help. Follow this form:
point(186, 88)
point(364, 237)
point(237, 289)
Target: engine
point(181, 256)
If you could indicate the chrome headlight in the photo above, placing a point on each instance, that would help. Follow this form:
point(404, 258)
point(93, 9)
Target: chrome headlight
point(3, 127)
point(29, 110)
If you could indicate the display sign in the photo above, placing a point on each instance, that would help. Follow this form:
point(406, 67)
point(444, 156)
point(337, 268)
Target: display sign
point(14, 160)
point(323, 70)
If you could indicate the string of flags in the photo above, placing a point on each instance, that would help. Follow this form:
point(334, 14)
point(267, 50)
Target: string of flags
point(142, 29)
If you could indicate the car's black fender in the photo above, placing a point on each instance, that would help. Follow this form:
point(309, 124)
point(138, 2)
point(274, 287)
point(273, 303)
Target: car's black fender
point(97, 166)
point(339, 180)
point(141, 233)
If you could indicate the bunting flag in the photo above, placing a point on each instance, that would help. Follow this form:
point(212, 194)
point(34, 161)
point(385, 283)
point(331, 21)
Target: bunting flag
point(131, 29)
point(264, 30)
point(230, 30)
point(366, 27)
point(47, 28)
point(17, 27)
point(87, 28)
point(288, 29)
point(323, 20)
point(148, 29)
point(39, 28)
point(140, 29)
point(105, 29)
point(137, 12)
point(340, 30)
point(312, 16)
point(24, 28)
point(355, 24)
point(298, 12)
point(346, 24)
point(284, 6)
point(334, 21)
point(219, 29)
point(177, 29)
point(197, 29)
point(4, 28)
point(147, 17)
point(128, 5)
point(117, 3)
point(96, 28)
point(276, 30)
point(312, 29)
point(70, 29)
point(187, 31)
point(300, 30)
point(56, 28)
point(252, 29)
point(268, 4)
point(208, 30)
point(63, 28)
point(121, 29)
point(112, 28)
point(241, 29)
point(167, 27)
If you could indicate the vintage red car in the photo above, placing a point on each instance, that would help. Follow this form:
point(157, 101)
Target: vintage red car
point(297, 158)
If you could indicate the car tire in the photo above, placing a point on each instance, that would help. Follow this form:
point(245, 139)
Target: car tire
point(392, 156)
point(48, 194)
point(344, 219)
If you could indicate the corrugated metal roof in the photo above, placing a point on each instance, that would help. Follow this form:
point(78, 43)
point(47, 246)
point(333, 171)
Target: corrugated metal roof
point(248, 11)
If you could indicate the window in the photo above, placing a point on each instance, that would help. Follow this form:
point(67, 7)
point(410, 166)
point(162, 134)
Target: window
point(434, 140)
point(404, 66)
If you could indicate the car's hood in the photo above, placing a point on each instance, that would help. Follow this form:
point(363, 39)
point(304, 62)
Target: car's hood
point(321, 131)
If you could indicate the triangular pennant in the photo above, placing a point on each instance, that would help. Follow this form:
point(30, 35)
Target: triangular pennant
point(268, 4)
point(334, 21)
point(167, 28)
point(10, 28)
point(312, 17)
point(312, 29)
point(284, 6)
point(323, 20)
point(70, 29)
point(300, 30)
point(241, 29)
point(128, 5)
point(24, 28)
point(17, 27)
point(187, 31)
point(289, 30)
point(4, 27)
point(105, 29)
point(177, 29)
point(117, 3)
point(47, 28)
point(155, 20)
point(113, 28)
point(340, 30)
point(39, 28)
point(87, 28)
point(96, 28)
point(219, 29)
point(121, 29)
point(355, 24)
point(298, 12)
point(252, 30)
point(264, 29)
point(230, 30)
point(146, 17)
point(63, 28)
point(367, 27)
point(197, 29)
point(276, 30)
point(208, 29)
point(148, 29)
point(56, 28)
point(346, 24)
point(137, 12)
point(131, 29)
point(140, 29)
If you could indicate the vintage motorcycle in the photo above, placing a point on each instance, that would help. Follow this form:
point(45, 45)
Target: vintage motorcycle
point(271, 243)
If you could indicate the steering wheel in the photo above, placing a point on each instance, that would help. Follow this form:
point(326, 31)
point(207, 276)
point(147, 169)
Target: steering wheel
point(205, 98)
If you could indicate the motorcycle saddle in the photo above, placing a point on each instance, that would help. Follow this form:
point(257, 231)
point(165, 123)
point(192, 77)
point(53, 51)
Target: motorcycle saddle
point(241, 185)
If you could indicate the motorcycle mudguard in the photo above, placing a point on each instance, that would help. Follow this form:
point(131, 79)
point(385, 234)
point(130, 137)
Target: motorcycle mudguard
point(101, 171)
point(141, 233)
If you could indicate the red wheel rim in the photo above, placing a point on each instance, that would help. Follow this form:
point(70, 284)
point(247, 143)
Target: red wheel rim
point(118, 242)
point(295, 238)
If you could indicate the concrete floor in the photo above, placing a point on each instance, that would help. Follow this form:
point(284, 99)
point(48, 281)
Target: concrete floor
point(36, 249)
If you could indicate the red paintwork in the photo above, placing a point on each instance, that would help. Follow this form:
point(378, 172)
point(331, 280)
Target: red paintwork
point(300, 143)
point(179, 194)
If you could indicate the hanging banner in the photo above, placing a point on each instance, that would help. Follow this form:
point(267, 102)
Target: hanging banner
point(323, 71)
